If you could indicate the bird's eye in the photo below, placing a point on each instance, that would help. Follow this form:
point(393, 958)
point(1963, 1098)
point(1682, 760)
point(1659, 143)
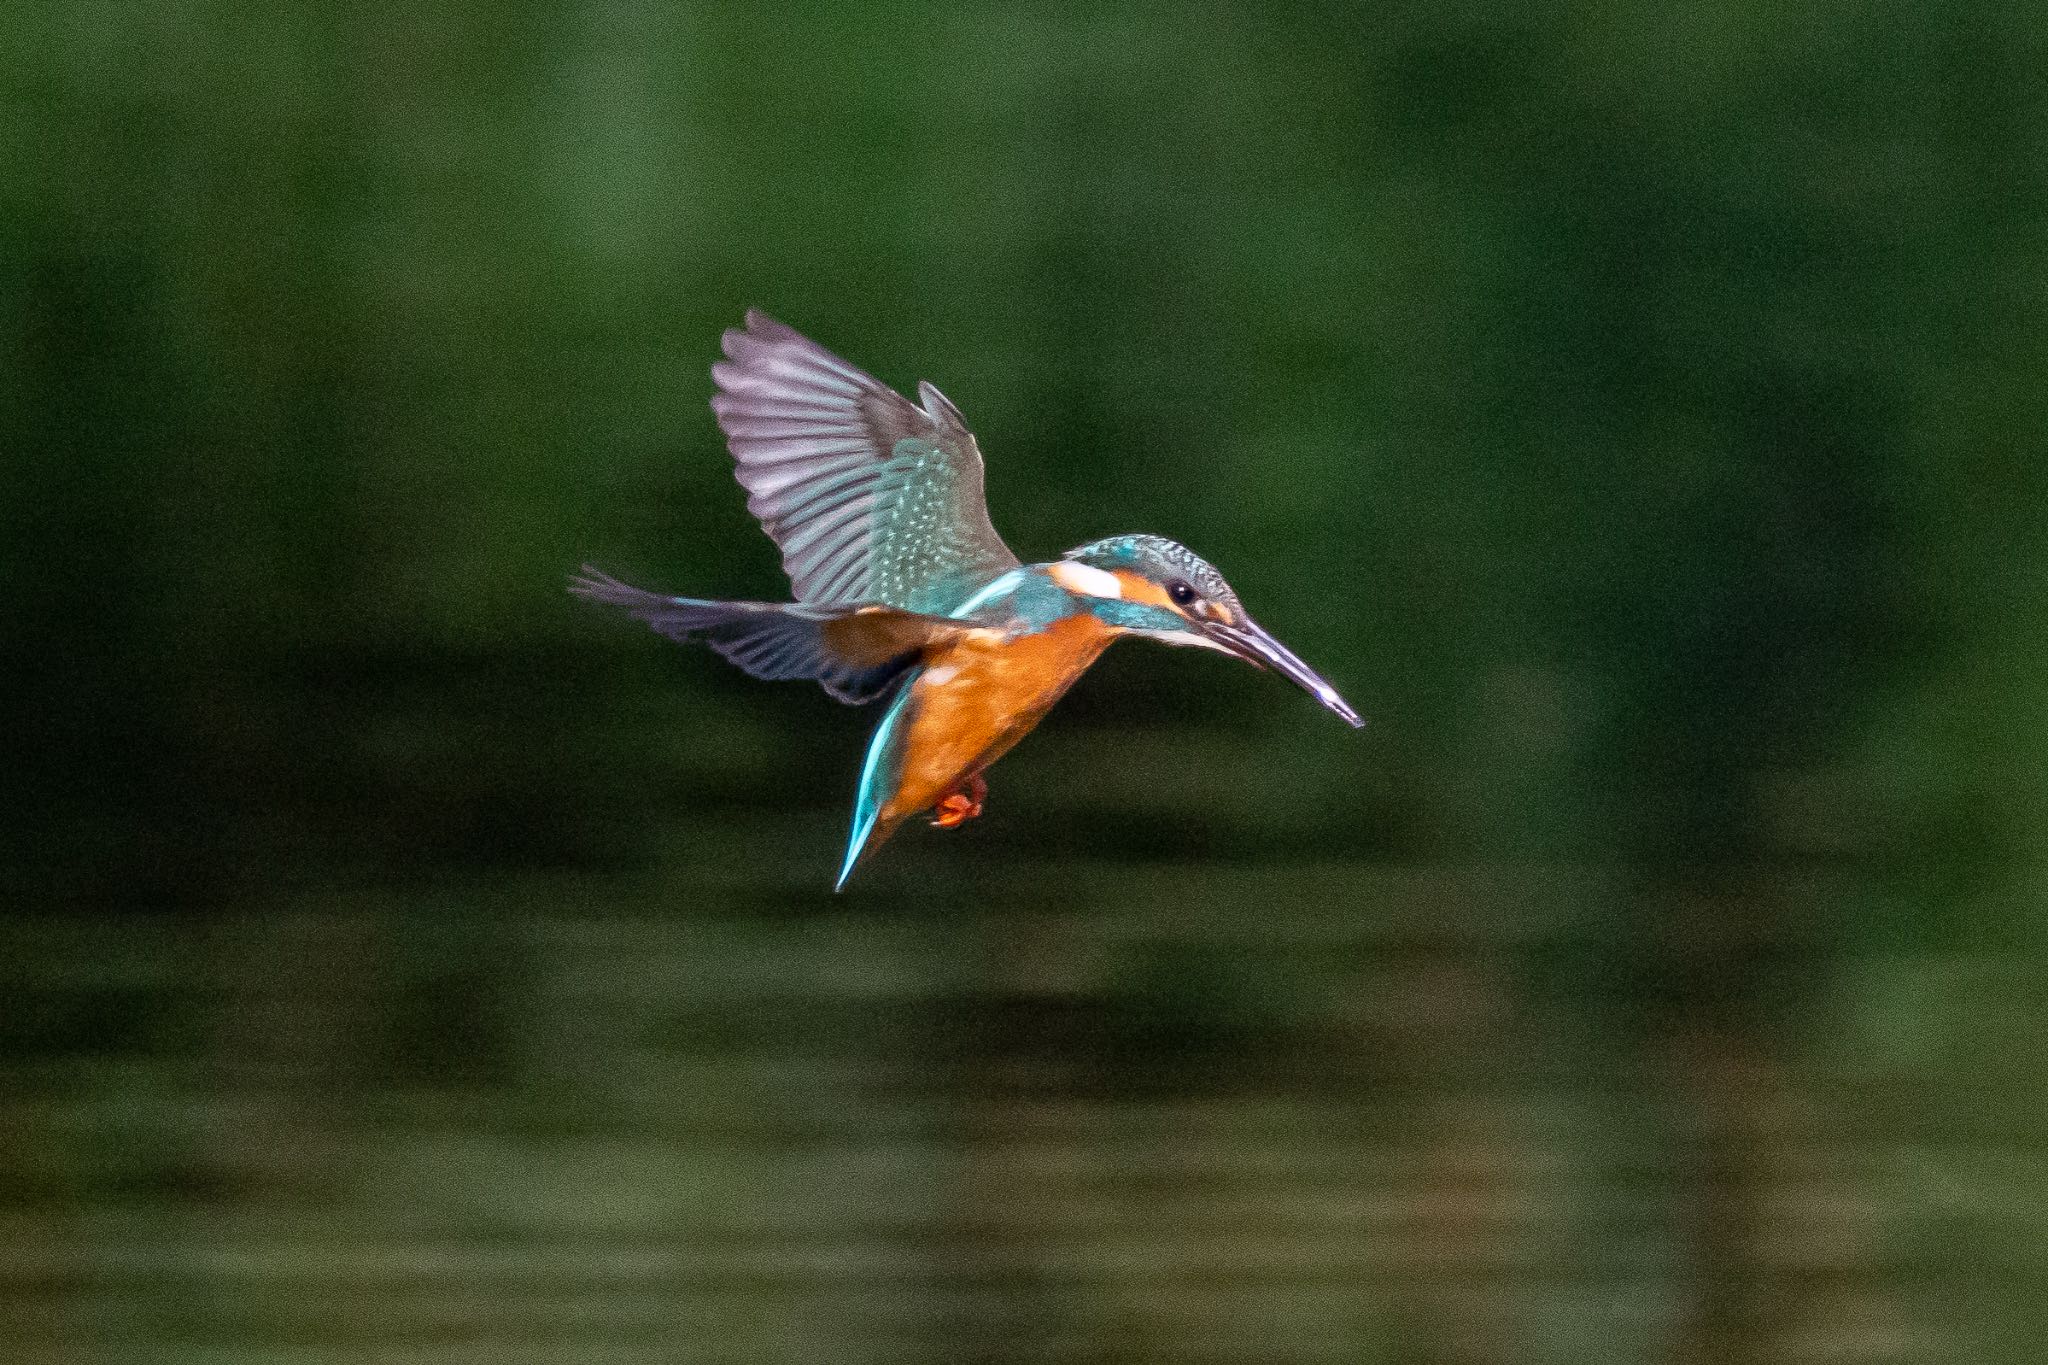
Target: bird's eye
point(1181, 592)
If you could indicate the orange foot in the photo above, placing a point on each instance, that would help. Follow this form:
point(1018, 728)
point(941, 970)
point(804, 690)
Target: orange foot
point(961, 804)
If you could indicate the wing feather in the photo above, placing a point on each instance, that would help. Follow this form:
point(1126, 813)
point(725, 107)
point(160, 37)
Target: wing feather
point(831, 458)
point(853, 653)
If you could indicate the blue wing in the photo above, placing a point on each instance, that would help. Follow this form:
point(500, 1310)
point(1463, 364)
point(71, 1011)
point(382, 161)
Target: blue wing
point(872, 498)
point(855, 654)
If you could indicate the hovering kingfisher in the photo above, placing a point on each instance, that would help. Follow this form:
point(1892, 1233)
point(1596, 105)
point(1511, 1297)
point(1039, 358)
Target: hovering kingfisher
point(902, 584)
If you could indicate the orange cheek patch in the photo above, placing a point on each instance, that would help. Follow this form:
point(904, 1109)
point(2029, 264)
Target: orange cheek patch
point(1219, 613)
point(1144, 590)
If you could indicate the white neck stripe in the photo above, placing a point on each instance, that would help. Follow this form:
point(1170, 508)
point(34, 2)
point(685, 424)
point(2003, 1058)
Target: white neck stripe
point(1085, 580)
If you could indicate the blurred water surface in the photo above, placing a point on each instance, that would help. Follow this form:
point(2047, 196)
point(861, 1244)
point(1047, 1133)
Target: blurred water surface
point(1635, 411)
point(1334, 1112)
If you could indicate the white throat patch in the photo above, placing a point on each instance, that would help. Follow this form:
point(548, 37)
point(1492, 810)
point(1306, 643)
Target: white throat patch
point(1187, 639)
point(1084, 580)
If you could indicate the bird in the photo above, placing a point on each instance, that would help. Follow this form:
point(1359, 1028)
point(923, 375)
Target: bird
point(903, 590)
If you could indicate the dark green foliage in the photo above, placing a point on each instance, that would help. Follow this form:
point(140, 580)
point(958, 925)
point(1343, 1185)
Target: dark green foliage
point(1635, 411)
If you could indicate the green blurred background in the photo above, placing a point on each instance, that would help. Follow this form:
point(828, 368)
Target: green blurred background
point(1636, 410)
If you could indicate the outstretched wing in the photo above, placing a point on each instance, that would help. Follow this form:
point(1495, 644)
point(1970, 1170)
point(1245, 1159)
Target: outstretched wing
point(871, 497)
point(854, 652)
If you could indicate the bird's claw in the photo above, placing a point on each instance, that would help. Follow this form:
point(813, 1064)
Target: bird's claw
point(961, 804)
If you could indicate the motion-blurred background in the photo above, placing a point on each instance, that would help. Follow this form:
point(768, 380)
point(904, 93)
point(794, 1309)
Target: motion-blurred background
point(1637, 411)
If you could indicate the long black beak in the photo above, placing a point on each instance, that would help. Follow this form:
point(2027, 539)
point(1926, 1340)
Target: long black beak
point(1248, 640)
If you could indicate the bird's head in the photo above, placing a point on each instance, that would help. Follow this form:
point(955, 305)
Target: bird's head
point(1159, 588)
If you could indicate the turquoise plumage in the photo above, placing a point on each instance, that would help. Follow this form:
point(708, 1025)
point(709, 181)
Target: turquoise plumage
point(904, 589)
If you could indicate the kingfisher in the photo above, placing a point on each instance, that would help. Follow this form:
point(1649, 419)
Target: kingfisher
point(904, 590)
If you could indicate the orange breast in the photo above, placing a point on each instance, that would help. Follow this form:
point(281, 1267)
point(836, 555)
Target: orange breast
point(980, 695)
